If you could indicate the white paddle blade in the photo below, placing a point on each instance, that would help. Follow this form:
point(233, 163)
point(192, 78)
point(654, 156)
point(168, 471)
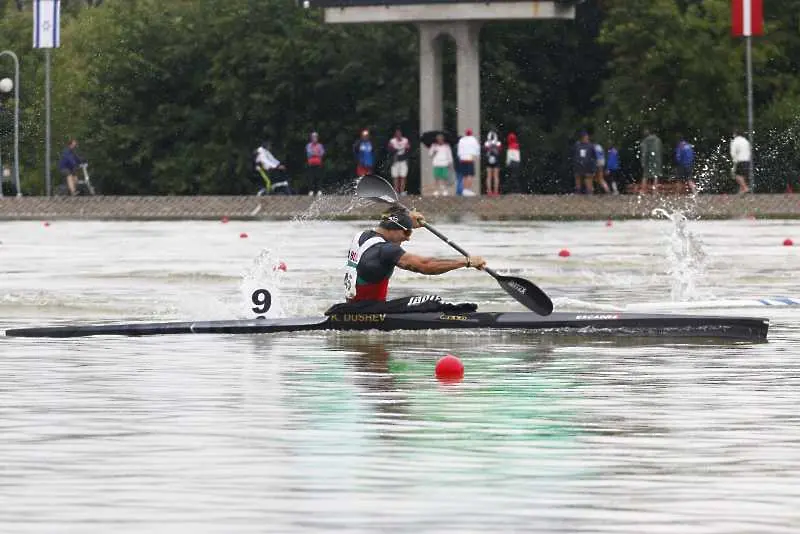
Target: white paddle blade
point(376, 188)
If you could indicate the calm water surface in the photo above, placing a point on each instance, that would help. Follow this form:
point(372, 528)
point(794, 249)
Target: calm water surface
point(351, 432)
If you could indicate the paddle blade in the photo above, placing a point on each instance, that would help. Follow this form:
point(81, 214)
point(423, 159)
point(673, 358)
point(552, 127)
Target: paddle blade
point(374, 187)
point(526, 293)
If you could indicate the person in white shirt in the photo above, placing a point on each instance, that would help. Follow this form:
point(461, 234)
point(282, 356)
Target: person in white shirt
point(741, 154)
point(469, 152)
point(442, 160)
point(265, 162)
point(399, 148)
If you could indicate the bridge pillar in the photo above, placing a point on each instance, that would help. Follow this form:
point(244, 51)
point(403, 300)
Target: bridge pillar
point(466, 35)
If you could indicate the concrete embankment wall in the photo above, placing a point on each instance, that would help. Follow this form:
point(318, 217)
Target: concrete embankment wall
point(509, 207)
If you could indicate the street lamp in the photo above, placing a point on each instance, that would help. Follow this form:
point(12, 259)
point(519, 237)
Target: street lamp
point(16, 116)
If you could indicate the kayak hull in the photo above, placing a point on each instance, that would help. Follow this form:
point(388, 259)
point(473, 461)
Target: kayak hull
point(624, 324)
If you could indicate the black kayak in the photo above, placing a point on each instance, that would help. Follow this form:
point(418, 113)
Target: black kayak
point(621, 324)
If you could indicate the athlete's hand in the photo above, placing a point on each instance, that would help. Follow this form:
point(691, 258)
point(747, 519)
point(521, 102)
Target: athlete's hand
point(476, 262)
point(417, 217)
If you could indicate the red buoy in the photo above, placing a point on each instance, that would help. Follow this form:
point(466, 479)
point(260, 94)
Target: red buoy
point(564, 253)
point(243, 235)
point(46, 224)
point(225, 220)
point(449, 368)
point(788, 242)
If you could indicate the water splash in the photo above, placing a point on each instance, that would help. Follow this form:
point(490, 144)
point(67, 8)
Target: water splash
point(263, 272)
point(686, 258)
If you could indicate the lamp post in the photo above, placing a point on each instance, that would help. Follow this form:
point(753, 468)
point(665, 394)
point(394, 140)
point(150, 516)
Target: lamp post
point(16, 117)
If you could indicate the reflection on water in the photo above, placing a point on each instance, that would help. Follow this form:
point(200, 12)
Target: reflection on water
point(315, 432)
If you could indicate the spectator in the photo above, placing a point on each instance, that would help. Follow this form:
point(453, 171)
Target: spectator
point(365, 157)
point(741, 154)
point(469, 152)
point(315, 155)
point(684, 160)
point(613, 168)
point(651, 156)
point(69, 164)
point(442, 159)
point(513, 161)
point(600, 157)
point(492, 148)
point(399, 148)
point(265, 164)
point(459, 170)
point(584, 164)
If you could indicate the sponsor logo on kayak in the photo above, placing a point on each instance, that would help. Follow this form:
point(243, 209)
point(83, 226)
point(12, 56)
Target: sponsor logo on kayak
point(444, 317)
point(360, 317)
point(422, 299)
point(600, 316)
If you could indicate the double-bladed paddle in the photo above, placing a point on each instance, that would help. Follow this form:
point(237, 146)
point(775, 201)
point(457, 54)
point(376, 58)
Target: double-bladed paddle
point(375, 188)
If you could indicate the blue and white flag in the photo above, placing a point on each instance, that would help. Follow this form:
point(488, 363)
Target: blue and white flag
point(46, 22)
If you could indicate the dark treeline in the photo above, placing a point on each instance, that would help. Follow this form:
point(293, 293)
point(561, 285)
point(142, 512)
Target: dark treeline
point(172, 96)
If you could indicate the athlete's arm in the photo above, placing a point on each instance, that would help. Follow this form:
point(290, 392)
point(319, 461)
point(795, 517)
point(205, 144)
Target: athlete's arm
point(425, 265)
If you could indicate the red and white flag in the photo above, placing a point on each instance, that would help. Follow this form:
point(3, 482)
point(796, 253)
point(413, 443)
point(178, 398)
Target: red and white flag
point(747, 18)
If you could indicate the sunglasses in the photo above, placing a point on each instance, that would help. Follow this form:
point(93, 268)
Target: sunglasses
point(405, 229)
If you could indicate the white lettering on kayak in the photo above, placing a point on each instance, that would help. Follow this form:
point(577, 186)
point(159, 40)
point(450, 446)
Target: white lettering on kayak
point(421, 299)
point(597, 316)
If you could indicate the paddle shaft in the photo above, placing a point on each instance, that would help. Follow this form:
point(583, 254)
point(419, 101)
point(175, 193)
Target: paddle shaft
point(460, 250)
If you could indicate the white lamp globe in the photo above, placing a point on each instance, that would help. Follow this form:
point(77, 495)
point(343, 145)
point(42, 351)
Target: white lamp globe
point(6, 85)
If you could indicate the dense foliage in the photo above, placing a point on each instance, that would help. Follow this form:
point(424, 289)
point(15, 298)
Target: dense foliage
point(172, 96)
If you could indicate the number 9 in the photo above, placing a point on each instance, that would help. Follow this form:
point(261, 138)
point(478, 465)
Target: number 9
point(262, 300)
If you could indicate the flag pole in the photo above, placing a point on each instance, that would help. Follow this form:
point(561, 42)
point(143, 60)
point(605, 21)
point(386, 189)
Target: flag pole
point(47, 35)
point(749, 61)
point(47, 162)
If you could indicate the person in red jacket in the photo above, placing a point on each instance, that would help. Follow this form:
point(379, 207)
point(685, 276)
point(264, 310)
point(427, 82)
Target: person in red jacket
point(315, 153)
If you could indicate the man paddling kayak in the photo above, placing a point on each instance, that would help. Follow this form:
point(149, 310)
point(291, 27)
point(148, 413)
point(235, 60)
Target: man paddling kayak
point(374, 254)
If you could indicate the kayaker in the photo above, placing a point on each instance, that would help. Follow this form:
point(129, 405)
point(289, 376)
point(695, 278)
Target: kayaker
point(375, 253)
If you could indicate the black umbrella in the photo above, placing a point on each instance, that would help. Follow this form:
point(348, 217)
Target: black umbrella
point(429, 137)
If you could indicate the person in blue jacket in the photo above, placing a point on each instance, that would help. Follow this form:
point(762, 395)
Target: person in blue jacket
point(365, 157)
point(684, 160)
point(69, 164)
point(613, 168)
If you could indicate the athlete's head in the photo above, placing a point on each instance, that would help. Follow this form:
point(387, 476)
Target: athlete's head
point(396, 225)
